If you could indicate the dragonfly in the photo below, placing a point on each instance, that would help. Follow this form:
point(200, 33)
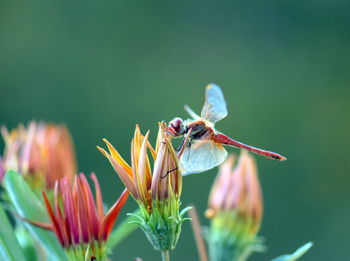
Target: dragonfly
point(202, 145)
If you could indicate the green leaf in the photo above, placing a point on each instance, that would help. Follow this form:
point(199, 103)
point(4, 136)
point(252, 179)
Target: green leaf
point(123, 230)
point(296, 255)
point(30, 207)
point(9, 247)
point(26, 242)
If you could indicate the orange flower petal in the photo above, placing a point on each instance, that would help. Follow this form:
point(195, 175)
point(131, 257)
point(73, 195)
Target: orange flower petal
point(122, 173)
point(93, 220)
point(117, 157)
point(142, 169)
point(56, 225)
point(98, 193)
point(82, 212)
point(112, 214)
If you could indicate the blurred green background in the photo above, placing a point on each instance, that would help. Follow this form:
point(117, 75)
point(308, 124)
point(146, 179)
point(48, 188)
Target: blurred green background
point(284, 67)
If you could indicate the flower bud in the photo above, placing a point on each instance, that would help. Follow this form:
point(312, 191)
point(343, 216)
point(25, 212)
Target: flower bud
point(42, 153)
point(235, 210)
point(156, 191)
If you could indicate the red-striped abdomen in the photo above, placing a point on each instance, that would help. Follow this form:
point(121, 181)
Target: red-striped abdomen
point(219, 137)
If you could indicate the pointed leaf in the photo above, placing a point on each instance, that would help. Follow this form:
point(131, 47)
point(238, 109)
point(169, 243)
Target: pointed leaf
point(9, 246)
point(296, 255)
point(26, 242)
point(185, 210)
point(30, 207)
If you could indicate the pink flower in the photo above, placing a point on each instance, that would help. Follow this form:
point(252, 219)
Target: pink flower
point(42, 153)
point(77, 218)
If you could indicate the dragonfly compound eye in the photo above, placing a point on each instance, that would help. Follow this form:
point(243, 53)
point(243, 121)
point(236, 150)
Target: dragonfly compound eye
point(177, 125)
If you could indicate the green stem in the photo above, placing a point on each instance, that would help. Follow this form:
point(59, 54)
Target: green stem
point(165, 255)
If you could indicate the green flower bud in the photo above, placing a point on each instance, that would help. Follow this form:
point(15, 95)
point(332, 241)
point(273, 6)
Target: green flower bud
point(235, 210)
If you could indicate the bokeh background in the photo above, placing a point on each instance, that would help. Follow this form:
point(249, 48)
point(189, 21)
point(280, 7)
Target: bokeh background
point(284, 67)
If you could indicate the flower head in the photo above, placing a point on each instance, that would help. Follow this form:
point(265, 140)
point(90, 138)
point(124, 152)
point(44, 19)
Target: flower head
point(41, 152)
point(156, 191)
point(78, 220)
point(235, 209)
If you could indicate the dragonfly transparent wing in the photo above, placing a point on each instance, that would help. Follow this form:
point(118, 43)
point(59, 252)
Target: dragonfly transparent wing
point(214, 108)
point(193, 115)
point(202, 155)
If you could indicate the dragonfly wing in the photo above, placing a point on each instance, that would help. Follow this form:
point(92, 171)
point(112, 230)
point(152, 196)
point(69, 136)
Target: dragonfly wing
point(214, 108)
point(193, 115)
point(202, 155)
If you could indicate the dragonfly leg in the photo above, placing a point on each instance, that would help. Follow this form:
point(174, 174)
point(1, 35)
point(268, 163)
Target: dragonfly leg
point(169, 132)
point(180, 147)
point(184, 143)
point(188, 145)
point(169, 171)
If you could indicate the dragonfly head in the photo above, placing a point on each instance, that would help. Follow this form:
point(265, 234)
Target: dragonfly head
point(177, 127)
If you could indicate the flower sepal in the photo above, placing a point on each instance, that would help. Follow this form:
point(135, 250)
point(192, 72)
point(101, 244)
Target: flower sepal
point(162, 226)
point(233, 241)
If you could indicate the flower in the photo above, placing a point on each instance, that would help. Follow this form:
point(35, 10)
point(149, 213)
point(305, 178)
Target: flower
point(78, 220)
point(235, 210)
point(42, 153)
point(157, 192)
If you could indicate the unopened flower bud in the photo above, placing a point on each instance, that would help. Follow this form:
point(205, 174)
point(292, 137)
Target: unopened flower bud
point(235, 210)
point(156, 191)
point(42, 153)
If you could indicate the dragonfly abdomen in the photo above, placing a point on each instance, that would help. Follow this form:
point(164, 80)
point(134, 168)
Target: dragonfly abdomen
point(219, 137)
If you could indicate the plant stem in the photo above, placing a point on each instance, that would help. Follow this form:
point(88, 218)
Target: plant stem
point(165, 255)
point(196, 227)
